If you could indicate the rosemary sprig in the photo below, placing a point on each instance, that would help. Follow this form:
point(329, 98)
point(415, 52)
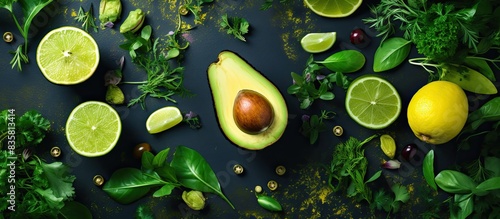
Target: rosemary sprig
point(87, 18)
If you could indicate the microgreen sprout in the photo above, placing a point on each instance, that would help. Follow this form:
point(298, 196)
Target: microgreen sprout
point(192, 119)
point(312, 125)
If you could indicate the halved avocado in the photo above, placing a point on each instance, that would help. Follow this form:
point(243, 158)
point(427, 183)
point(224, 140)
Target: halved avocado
point(229, 75)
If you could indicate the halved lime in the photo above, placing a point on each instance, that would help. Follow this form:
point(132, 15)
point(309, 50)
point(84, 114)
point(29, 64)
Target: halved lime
point(372, 102)
point(163, 119)
point(67, 55)
point(93, 128)
point(333, 8)
point(318, 42)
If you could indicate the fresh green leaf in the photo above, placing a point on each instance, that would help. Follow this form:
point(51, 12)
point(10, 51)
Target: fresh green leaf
point(50, 198)
point(127, 185)
point(465, 204)
point(161, 158)
point(428, 169)
point(454, 182)
point(7, 4)
point(147, 160)
point(374, 177)
point(492, 164)
point(195, 173)
point(490, 111)
point(167, 173)
point(391, 53)
point(401, 193)
point(74, 210)
point(236, 26)
point(481, 66)
point(269, 203)
point(143, 212)
point(467, 78)
point(489, 184)
point(345, 61)
point(60, 181)
point(164, 190)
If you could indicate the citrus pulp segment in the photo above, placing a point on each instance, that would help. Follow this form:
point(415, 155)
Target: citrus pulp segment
point(318, 42)
point(67, 55)
point(93, 128)
point(333, 8)
point(163, 119)
point(372, 102)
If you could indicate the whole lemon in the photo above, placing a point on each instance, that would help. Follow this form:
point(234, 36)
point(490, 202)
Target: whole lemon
point(437, 112)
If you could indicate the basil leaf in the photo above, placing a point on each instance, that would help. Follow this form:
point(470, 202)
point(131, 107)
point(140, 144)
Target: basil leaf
point(481, 66)
point(345, 61)
point(269, 203)
point(147, 160)
point(428, 169)
point(161, 158)
point(468, 79)
point(127, 185)
point(454, 182)
point(391, 53)
point(194, 172)
point(489, 184)
point(167, 173)
point(465, 204)
point(297, 78)
point(164, 190)
point(327, 96)
point(30, 10)
point(74, 210)
point(490, 111)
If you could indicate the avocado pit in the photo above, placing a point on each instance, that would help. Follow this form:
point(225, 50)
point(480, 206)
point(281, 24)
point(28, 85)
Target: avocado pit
point(252, 112)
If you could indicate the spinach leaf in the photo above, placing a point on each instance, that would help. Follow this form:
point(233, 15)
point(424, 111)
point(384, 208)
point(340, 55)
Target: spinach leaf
point(74, 210)
point(345, 61)
point(490, 111)
point(467, 78)
point(454, 182)
point(391, 53)
point(127, 185)
point(428, 169)
point(194, 172)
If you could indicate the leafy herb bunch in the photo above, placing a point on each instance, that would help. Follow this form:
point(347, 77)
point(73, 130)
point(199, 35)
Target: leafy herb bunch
point(442, 31)
point(186, 169)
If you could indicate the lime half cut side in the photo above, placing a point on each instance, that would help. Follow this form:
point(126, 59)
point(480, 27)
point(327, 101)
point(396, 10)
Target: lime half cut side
point(163, 119)
point(333, 8)
point(67, 55)
point(318, 42)
point(373, 102)
point(93, 128)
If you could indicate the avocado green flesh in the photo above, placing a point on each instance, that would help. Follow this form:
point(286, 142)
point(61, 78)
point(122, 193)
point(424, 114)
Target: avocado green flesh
point(227, 77)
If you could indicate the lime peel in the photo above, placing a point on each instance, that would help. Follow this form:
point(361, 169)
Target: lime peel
point(333, 8)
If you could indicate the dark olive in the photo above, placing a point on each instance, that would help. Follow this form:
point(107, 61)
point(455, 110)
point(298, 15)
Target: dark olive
point(359, 38)
point(409, 151)
point(139, 149)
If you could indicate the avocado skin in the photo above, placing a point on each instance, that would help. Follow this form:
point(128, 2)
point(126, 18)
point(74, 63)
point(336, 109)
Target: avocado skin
point(231, 74)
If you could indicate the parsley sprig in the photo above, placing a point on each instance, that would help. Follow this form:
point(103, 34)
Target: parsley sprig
point(236, 26)
point(195, 7)
point(87, 18)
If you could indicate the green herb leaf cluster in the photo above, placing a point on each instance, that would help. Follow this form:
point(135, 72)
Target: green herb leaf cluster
point(313, 84)
point(187, 168)
point(348, 169)
point(313, 125)
point(30, 128)
point(30, 8)
point(269, 3)
point(236, 26)
point(87, 18)
point(384, 201)
point(164, 75)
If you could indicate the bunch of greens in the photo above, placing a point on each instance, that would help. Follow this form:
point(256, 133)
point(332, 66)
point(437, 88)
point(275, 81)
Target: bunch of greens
point(87, 18)
point(164, 72)
point(30, 9)
point(313, 85)
point(195, 6)
point(382, 200)
point(488, 115)
point(236, 26)
point(30, 128)
point(46, 189)
point(313, 125)
point(187, 168)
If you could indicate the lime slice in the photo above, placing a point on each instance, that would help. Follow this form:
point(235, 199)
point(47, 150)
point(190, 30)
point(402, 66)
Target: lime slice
point(318, 42)
point(388, 145)
point(93, 128)
point(333, 8)
point(372, 102)
point(67, 55)
point(163, 119)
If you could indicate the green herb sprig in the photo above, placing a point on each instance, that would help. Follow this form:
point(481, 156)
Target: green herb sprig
point(313, 125)
point(195, 7)
point(87, 18)
point(236, 26)
point(391, 204)
point(31, 128)
point(30, 8)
